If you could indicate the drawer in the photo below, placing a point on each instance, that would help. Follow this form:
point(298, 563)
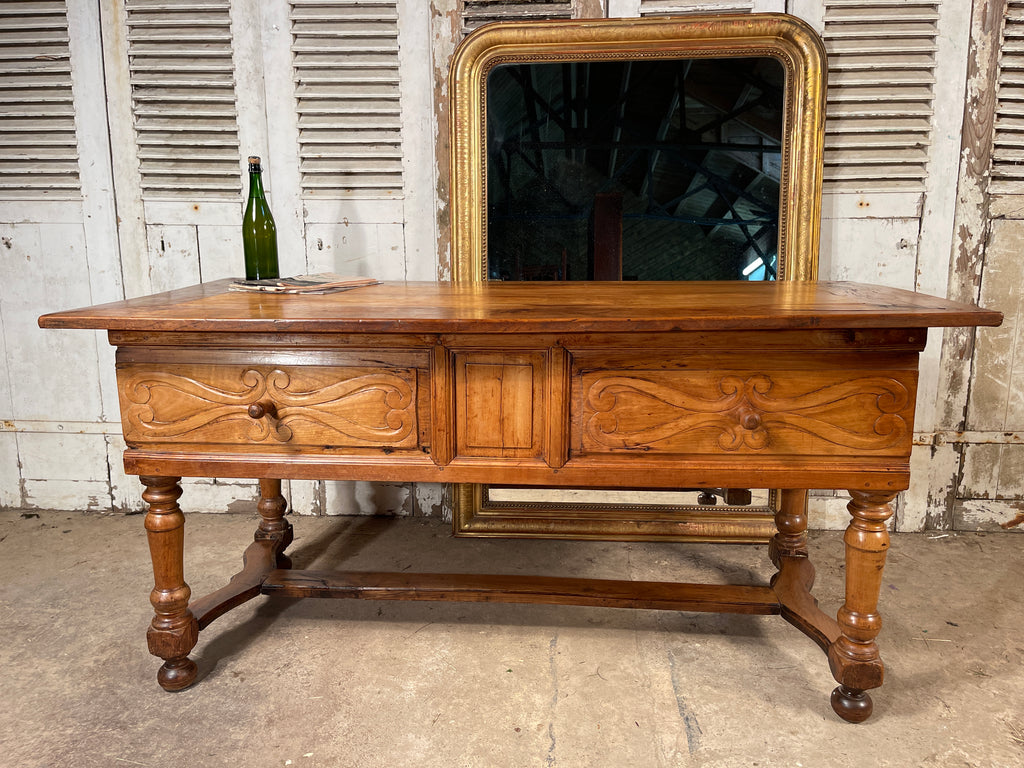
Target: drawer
point(762, 412)
point(273, 407)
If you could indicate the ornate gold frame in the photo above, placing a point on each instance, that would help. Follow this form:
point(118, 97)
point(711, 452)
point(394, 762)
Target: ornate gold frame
point(785, 38)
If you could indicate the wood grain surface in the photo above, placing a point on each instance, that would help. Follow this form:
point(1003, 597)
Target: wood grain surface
point(514, 307)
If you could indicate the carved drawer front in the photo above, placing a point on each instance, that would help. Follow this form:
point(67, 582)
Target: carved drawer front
point(775, 412)
point(499, 402)
point(270, 407)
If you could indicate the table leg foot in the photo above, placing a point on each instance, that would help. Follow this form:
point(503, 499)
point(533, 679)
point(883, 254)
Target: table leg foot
point(852, 705)
point(177, 674)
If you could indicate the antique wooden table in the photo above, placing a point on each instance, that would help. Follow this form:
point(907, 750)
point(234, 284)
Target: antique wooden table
point(638, 385)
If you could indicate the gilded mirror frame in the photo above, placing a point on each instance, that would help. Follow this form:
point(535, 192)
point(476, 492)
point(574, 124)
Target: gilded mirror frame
point(784, 38)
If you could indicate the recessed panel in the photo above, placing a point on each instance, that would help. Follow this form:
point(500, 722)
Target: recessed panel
point(499, 405)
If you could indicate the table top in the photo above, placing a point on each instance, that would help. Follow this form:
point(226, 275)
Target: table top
point(530, 307)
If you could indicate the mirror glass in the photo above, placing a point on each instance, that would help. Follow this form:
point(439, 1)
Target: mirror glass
point(664, 169)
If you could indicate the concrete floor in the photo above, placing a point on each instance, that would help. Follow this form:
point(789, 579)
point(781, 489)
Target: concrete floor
point(333, 683)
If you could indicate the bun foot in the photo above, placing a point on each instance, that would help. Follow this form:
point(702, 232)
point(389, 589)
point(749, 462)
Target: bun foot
point(852, 705)
point(177, 674)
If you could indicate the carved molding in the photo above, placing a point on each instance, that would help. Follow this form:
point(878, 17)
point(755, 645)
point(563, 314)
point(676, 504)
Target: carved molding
point(744, 412)
point(369, 408)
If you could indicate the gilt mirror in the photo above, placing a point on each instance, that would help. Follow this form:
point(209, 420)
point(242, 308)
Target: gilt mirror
point(640, 149)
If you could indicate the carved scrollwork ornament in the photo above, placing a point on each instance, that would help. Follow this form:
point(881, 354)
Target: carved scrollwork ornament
point(743, 411)
point(371, 408)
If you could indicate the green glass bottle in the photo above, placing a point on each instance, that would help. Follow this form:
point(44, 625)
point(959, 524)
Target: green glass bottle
point(259, 233)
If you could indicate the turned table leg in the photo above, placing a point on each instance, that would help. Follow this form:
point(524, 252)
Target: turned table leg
point(174, 630)
point(791, 520)
point(273, 526)
point(854, 656)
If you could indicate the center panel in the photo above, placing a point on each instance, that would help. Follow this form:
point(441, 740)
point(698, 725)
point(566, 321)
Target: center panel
point(500, 404)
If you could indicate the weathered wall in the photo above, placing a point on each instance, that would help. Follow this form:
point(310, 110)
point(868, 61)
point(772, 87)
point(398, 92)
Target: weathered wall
point(940, 232)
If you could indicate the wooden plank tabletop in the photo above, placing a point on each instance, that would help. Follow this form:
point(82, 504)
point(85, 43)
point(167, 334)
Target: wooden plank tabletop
point(520, 307)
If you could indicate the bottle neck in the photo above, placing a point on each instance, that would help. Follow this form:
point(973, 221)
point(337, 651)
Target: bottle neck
point(255, 185)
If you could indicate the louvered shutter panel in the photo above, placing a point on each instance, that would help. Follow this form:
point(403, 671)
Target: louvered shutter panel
point(345, 59)
point(672, 7)
point(1008, 140)
point(478, 12)
point(183, 98)
point(881, 77)
point(39, 154)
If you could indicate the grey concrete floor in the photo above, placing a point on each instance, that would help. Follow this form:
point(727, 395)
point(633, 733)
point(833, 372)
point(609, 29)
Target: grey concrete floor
point(332, 683)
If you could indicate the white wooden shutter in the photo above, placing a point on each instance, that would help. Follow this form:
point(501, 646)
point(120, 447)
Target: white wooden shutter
point(478, 12)
point(1008, 141)
point(881, 86)
point(183, 98)
point(346, 73)
point(38, 147)
point(682, 7)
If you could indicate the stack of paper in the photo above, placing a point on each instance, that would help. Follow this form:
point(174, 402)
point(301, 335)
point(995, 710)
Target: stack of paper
point(325, 282)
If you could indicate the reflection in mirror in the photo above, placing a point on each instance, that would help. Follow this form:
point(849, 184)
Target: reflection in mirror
point(666, 169)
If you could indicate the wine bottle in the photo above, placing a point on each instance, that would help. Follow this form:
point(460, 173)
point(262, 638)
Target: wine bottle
point(259, 233)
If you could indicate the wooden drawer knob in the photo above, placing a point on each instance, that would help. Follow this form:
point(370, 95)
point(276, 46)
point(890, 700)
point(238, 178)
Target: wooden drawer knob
point(259, 410)
point(749, 419)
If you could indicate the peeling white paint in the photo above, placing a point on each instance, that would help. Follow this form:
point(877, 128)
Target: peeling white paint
point(989, 515)
point(430, 500)
point(71, 495)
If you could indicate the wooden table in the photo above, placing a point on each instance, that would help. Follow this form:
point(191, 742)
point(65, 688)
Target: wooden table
point(637, 385)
